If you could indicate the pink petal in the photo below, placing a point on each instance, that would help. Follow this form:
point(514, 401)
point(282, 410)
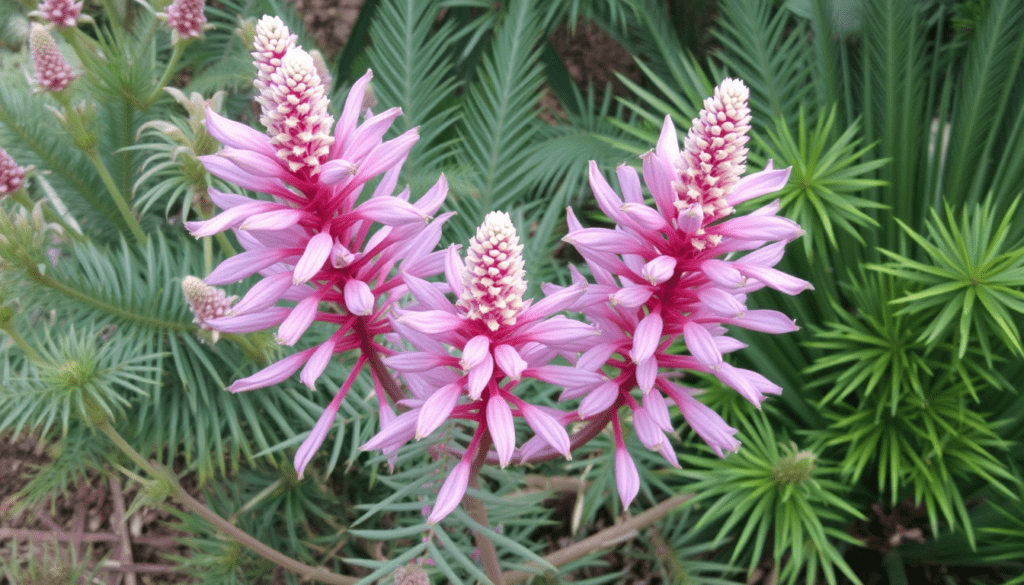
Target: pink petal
point(659, 270)
point(702, 346)
point(263, 294)
point(631, 296)
point(627, 478)
point(250, 322)
point(236, 135)
point(752, 227)
point(298, 321)
point(646, 429)
point(721, 302)
point(317, 363)
point(395, 433)
point(436, 409)
point(453, 267)
point(765, 321)
point(647, 373)
point(451, 492)
point(629, 182)
point(350, 114)
point(318, 249)
point(645, 217)
point(598, 400)
point(390, 211)
point(335, 171)
point(757, 184)
point(386, 155)
point(474, 352)
point(273, 374)
point(548, 428)
point(749, 384)
point(277, 219)
point(479, 376)
point(647, 337)
point(432, 322)
point(359, 298)
point(369, 134)
point(605, 240)
point(655, 405)
point(418, 361)
point(690, 219)
point(230, 218)
point(659, 181)
point(707, 423)
point(668, 141)
point(428, 295)
point(232, 173)
point(501, 427)
point(773, 278)
point(432, 199)
point(316, 436)
point(509, 361)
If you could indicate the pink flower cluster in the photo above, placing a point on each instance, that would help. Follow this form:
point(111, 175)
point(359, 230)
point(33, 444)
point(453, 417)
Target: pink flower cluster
point(680, 269)
point(52, 71)
point(331, 258)
point(499, 341)
point(61, 13)
point(11, 174)
point(186, 19)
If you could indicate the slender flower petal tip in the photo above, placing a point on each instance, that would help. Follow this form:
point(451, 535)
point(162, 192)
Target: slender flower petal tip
point(494, 279)
point(11, 174)
point(207, 302)
point(294, 104)
point(186, 19)
point(52, 71)
point(451, 492)
point(61, 13)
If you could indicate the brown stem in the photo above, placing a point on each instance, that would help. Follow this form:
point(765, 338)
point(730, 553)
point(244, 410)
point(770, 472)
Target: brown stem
point(606, 538)
point(379, 369)
point(478, 512)
point(198, 508)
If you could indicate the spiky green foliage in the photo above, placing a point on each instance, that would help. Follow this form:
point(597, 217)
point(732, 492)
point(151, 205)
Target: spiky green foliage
point(966, 264)
point(775, 497)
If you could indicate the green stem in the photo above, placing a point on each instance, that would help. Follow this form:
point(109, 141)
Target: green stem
point(29, 351)
point(116, 310)
point(172, 65)
point(198, 508)
point(119, 200)
point(50, 215)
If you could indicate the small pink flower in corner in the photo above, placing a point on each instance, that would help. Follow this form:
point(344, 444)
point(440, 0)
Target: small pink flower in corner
point(52, 71)
point(60, 13)
point(11, 174)
point(186, 19)
point(206, 302)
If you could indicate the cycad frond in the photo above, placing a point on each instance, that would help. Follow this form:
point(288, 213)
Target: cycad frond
point(768, 52)
point(412, 70)
point(499, 122)
point(990, 72)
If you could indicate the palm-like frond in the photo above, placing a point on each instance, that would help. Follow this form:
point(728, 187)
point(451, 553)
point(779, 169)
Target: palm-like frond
point(498, 121)
point(984, 101)
point(769, 53)
point(412, 69)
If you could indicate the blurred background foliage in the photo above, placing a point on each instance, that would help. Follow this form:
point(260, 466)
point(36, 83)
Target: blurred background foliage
point(893, 455)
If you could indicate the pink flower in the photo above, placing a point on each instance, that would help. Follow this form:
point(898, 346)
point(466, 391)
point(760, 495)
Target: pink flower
point(60, 13)
point(206, 302)
point(322, 257)
point(11, 174)
point(52, 71)
point(186, 19)
point(469, 356)
point(674, 271)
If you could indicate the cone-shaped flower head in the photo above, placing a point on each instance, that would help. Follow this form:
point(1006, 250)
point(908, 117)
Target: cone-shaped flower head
point(294, 105)
point(186, 19)
point(52, 71)
point(11, 175)
point(61, 13)
point(272, 41)
point(493, 279)
point(714, 156)
point(207, 302)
